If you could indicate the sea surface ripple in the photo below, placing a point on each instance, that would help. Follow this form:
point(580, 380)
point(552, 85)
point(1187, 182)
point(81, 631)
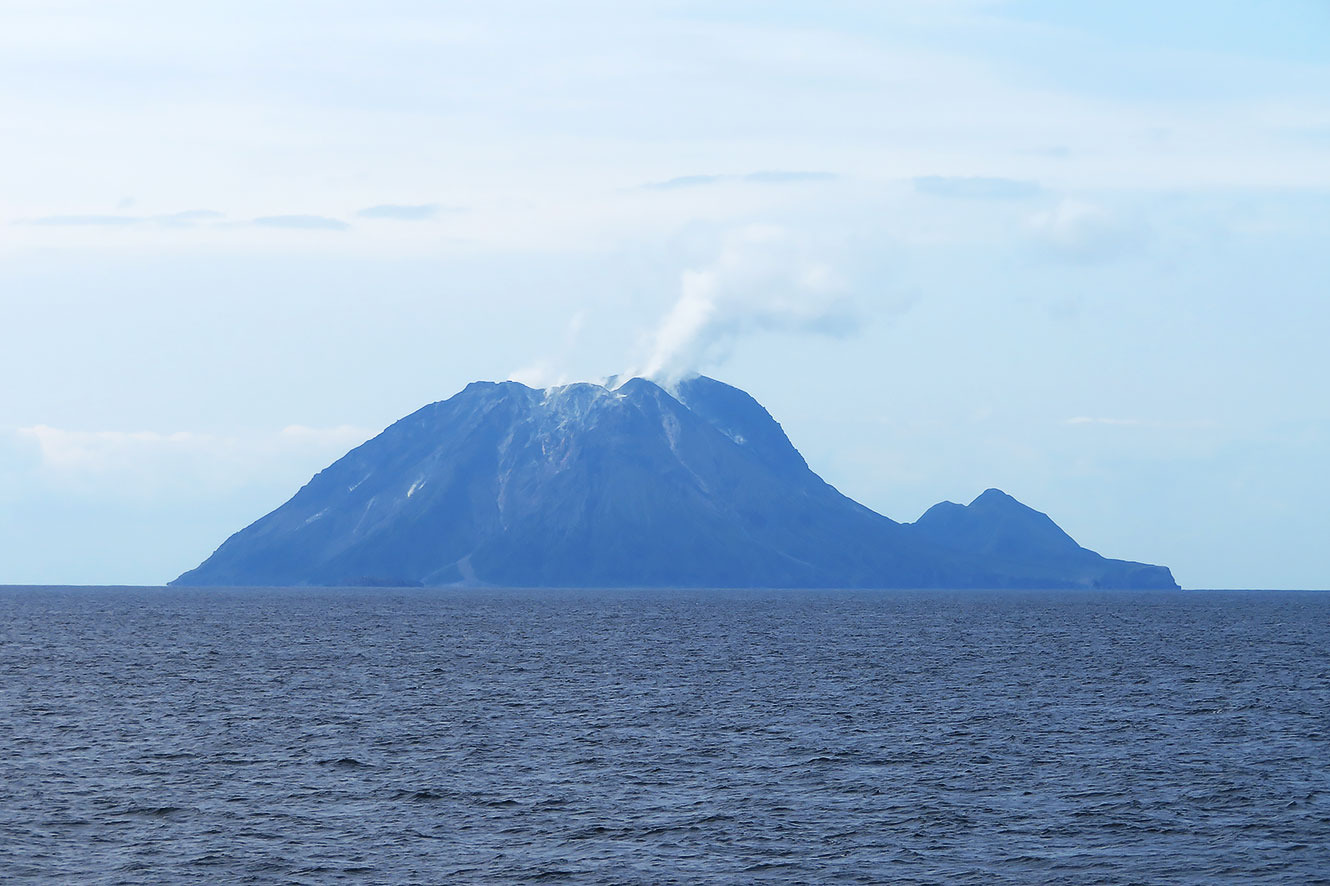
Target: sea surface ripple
point(322, 736)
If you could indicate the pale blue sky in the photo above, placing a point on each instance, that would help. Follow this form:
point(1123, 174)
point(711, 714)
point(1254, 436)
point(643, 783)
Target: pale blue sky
point(1076, 251)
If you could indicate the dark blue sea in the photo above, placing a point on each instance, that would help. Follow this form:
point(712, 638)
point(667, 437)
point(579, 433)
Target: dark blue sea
point(382, 736)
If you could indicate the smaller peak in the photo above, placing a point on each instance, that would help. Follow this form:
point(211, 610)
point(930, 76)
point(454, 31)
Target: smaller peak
point(993, 495)
point(940, 509)
point(638, 383)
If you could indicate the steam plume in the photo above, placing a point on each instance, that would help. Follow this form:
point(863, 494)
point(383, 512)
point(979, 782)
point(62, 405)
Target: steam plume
point(763, 280)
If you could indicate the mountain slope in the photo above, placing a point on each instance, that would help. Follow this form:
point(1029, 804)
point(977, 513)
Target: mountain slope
point(585, 485)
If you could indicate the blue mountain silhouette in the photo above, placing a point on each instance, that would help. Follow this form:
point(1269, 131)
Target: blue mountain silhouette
point(586, 485)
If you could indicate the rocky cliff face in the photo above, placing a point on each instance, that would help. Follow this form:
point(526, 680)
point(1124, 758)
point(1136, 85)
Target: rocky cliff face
point(590, 486)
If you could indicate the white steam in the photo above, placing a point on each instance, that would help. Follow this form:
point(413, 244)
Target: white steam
point(764, 280)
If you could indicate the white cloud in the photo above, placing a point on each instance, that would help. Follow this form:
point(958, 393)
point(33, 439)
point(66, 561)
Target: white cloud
point(63, 450)
point(1084, 232)
point(972, 187)
point(772, 177)
point(152, 462)
point(169, 219)
point(404, 212)
point(1199, 424)
point(337, 437)
point(1086, 420)
point(74, 221)
point(301, 222)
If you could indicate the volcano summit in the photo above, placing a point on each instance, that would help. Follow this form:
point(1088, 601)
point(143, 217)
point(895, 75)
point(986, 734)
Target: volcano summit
point(630, 486)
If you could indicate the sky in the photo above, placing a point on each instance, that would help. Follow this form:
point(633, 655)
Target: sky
point(1073, 251)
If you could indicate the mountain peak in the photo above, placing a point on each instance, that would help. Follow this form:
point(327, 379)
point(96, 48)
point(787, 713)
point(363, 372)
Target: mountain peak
point(995, 524)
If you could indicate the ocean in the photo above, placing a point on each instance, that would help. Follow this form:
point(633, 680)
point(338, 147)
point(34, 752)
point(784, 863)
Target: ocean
point(154, 735)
